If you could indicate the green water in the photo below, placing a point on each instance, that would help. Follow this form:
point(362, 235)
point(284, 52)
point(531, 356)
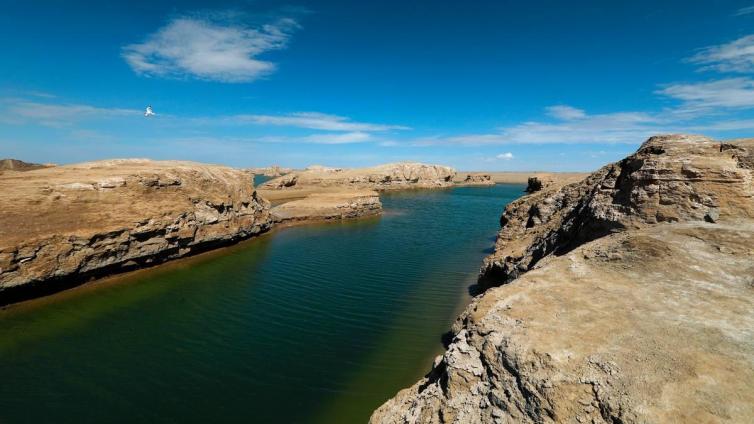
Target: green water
point(307, 324)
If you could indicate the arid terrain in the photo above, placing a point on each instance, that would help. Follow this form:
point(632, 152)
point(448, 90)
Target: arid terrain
point(67, 223)
point(624, 298)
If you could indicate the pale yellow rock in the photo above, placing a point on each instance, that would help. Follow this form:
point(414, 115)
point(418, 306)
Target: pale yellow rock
point(629, 299)
point(329, 206)
point(102, 217)
point(383, 177)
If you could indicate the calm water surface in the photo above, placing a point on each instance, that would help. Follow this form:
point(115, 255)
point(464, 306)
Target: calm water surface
point(313, 324)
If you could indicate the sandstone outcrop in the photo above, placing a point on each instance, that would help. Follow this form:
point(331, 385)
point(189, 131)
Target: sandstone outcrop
point(476, 180)
point(64, 224)
point(270, 171)
point(328, 207)
point(21, 166)
point(629, 299)
point(382, 177)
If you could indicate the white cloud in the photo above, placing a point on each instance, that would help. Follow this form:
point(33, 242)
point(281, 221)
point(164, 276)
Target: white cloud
point(612, 128)
point(725, 93)
point(745, 11)
point(209, 50)
point(337, 138)
point(736, 56)
point(565, 112)
point(315, 121)
point(23, 111)
point(505, 156)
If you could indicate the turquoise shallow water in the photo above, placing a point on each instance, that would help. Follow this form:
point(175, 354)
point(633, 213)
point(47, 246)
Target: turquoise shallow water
point(307, 324)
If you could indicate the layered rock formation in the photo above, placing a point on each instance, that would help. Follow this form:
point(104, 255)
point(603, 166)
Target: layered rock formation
point(476, 180)
point(630, 298)
point(328, 207)
point(383, 177)
point(64, 224)
point(271, 171)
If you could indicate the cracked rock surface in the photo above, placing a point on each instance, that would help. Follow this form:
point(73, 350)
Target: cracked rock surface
point(625, 298)
point(102, 217)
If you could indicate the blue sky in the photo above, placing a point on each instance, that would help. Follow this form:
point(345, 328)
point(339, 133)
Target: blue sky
point(482, 85)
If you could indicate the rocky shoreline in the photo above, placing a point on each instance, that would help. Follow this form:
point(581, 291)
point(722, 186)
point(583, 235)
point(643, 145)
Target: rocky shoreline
point(624, 298)
point(69, 224)
point(62, 226)
point(328, 207)
point(395, 176)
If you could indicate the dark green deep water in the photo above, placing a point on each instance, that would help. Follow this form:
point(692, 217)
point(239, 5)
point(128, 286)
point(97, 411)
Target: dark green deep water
point(307, 324)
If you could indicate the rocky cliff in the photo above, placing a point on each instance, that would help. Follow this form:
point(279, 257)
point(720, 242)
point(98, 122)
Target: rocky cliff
point(627, 297)
point(328, 207)
point(270, 171)
point(476, 180)
point(59, 226)
point(383, 177)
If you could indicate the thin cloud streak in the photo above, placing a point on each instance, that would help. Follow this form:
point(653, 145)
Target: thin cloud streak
point(314, 121)
point(736, 56)
point(19, 111)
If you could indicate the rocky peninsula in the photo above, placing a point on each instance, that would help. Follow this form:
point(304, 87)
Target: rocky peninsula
point(62, 225)
point(328, 207)
point(394, 176)
point(475, 179)
point(627, 297)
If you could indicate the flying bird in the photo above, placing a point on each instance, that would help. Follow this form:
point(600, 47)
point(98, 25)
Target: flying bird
point(149, 112)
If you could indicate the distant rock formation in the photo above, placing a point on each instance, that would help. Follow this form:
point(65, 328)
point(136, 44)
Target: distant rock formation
point(18, 165)
point(329, 206)
point(382, 177)
point(270, 171)
point(60, 226)
point(624, 298)
point(476, 180)
point(534, 184)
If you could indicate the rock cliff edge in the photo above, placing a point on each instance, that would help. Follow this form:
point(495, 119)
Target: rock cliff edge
point(627, 297)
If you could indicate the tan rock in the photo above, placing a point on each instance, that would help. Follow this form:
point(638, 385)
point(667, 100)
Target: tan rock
point(329, 206)
point(630, 299)
point(73, 222)
point(270, 171)
point(476, 179)
point(382, 177)
point(21, 166)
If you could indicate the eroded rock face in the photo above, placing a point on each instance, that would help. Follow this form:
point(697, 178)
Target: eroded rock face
point(674, 178)
point(271, 171)
point(633, 301)
point(328, 207)
point(72, 222)
point(477, 180)
point(383, 177)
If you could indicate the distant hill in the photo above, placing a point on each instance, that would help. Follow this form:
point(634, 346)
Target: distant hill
point(19, 165)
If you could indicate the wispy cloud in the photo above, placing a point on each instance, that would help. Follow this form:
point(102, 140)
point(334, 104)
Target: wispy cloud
point(336, 138)
point(210, 50)
point(745, 11)
point(50, 114)
point(315, 121)
point(565, 112)
point(611, 128)
point(735, 93)
point(736, 56)
point(505, 156)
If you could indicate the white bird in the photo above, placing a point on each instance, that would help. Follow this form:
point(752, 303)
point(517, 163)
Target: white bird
point(149, 112)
